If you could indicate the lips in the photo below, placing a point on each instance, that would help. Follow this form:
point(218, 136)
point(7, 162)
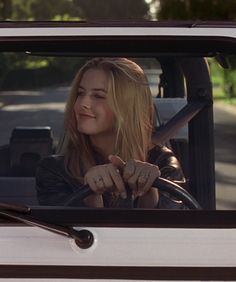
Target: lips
point(85, 115)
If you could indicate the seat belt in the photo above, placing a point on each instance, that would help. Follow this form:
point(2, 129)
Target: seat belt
point(179, 120)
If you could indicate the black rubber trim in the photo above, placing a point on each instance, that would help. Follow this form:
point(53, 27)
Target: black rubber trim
point(118, 23)
point(140, 218)
point(119, 272)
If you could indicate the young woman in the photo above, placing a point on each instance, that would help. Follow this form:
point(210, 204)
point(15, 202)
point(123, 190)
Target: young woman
point(108, 130)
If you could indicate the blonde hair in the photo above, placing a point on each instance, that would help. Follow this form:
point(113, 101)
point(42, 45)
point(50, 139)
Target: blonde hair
point(130, 99)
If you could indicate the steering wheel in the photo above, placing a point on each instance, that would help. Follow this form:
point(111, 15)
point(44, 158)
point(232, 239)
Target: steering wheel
point(177, 191)
point(160, 183)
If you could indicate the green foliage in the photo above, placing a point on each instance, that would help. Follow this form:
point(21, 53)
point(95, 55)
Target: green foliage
point(54, 8)
point(21, 10)
point(14, 67)
point(73, 9)
point(197, 10)
point(22, 71)
point(113, 9)
point(38, 10)
point(5, 9)
point(223, 79)
point(65, 17)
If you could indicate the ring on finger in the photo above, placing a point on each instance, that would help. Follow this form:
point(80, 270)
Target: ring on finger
point(129, 168)
point(99, 181)
point(143, 178)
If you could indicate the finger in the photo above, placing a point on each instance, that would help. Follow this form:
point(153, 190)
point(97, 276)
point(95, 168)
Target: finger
point(129, 170)
point(91, 175)
point(141, 182)
point(100, 186)
point(146, 187)
point(132, 182)
point(117, 161)
point(148, 173)
point(93, 186)
point(118, 181)
point(154, 174)
point(107, 180)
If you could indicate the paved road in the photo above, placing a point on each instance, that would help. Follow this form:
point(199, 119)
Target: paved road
point(32, 108)
point(46, 107)
point(225, 156)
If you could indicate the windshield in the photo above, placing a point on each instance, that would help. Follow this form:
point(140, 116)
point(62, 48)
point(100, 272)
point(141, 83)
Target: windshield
point(33, 95)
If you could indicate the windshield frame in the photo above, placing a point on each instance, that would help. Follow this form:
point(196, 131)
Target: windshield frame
point(123, 45)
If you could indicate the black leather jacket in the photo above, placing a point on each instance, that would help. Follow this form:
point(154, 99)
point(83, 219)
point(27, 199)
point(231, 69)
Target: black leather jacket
point(56, 188)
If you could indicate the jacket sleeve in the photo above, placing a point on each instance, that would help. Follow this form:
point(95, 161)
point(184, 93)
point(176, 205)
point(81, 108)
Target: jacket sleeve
point(168, 164)
point(54, 187)
point(170, 169)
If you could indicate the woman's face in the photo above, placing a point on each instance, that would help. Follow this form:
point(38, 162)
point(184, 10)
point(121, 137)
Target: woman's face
point(93, 114)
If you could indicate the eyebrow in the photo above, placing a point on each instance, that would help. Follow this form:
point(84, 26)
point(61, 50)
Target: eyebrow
point(95, 89)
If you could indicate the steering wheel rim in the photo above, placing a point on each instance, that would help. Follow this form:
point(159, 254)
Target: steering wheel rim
point(160, 183)
point(177, 191)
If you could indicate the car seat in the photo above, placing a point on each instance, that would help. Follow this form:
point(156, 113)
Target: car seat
point(165, 109)
point(28, 145)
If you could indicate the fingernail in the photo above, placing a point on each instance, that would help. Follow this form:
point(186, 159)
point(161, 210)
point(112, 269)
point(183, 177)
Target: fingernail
point(123, 195)
point(110, 157)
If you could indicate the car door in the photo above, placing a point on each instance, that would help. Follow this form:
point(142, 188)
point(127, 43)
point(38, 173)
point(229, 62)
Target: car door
point(66, 243)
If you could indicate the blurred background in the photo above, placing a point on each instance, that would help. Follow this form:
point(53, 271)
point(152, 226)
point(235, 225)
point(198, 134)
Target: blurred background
point(110, 10)
point(117, 10)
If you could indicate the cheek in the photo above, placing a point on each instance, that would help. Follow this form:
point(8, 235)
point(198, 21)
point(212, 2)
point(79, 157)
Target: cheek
point(75, 112)
point(76, 106)
point(109, 115)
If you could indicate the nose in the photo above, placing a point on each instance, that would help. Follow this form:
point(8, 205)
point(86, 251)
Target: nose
point(85, 101)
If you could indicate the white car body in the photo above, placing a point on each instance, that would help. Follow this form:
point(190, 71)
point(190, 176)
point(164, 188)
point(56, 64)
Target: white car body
point(122, 250)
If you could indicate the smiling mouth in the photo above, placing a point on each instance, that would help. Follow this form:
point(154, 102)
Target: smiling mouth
point(86, 116)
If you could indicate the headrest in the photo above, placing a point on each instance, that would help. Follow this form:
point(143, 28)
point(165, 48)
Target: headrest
point(28, 145)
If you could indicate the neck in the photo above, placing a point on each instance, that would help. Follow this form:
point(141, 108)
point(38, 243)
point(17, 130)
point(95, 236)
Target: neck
point(104, 144)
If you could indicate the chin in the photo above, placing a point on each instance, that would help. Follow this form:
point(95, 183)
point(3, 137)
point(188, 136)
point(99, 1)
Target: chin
point(86, 131)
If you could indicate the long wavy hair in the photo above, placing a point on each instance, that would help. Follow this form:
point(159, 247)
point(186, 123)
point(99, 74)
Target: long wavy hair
point(130, 98)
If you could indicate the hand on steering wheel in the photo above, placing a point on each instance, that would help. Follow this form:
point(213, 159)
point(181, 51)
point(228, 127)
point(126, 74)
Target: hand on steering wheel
point(160, 183)
point(105, 178)
point(138, 175)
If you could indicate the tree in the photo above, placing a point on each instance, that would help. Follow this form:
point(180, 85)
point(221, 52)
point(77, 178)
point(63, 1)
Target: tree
point(73, 9)
point(113, 9)
point(197, 10)
point(52, 9)
point(204, 10)
point(5, 9)
point(38, 10)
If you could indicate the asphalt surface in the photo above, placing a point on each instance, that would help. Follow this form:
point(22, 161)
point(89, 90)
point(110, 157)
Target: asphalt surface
point(225, 155)
point(32, 108)
point(46, 108)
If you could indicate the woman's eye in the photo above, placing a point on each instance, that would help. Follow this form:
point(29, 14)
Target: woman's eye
point(99, 96)
point(80, 93)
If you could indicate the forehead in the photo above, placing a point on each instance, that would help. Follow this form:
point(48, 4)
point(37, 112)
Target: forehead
point(94, 78)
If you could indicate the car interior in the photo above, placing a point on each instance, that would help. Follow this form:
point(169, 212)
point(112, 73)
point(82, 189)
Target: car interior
point(177, 100)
